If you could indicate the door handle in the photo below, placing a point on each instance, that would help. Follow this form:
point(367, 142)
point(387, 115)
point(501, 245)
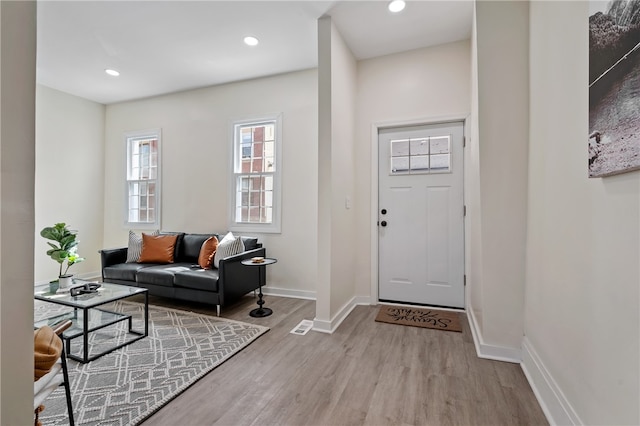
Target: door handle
point(383, 223)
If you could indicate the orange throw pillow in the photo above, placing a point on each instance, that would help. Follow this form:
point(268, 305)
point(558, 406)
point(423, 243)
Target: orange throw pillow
point(208, 249)
point(157, 249)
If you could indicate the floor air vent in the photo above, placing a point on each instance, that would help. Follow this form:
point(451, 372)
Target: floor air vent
point(302, 328)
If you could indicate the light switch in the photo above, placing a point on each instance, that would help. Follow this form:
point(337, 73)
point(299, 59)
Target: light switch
point(347, 202)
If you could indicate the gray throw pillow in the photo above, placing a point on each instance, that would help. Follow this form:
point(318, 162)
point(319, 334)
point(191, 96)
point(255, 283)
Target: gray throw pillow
point(134, 249)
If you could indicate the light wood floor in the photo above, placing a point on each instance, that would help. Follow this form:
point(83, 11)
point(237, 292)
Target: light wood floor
point(366, 373)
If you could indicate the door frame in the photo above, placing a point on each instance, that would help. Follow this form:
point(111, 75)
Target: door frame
point(375, 128)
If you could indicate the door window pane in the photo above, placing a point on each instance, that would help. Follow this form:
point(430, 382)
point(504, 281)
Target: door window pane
point(400, 148)
point(441, 163)
point(440, 145)
point(419, 147)
point(419, 163)
point(399, 165)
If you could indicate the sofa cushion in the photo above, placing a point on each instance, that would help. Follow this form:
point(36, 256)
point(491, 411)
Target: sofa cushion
point(228, 246)
point(198, 279)
point(208, 249)
point(250, 243)
point(157, 249)
point(123, 271)
point(160, 274)
point(191, 245)
point(134, 247)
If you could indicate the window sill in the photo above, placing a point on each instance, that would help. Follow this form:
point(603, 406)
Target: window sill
point(139, 225)
point(254, 228)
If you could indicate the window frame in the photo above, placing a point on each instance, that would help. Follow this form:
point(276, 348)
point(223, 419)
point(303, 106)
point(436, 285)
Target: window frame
point(236, 160)
point(129, 138)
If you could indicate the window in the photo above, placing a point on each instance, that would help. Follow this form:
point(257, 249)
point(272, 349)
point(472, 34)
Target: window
point(256, 175)
point(424, 155)
point(143, 180)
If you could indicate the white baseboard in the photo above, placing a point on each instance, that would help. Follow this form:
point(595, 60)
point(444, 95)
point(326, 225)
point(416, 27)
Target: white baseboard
point(362, 300)
point(330, 326)
point(86, 276)
point(287, 292)
point(554, 404)
point(322, 326)
point(486, 351)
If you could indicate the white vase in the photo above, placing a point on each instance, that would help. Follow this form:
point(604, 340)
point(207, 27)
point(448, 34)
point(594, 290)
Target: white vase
point(65, 283)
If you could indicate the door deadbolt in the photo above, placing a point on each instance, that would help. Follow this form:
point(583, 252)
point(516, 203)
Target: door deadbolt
point(383, 211)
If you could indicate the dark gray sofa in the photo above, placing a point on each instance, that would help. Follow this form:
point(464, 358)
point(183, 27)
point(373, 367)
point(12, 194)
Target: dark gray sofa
point(184, 279)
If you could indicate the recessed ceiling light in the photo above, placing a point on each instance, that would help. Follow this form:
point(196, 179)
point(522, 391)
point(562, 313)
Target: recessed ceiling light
point(396, 6)
point(251, 41)
point(112, 72)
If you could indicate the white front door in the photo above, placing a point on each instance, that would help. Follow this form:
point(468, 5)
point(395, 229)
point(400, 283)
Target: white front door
point(420, 215)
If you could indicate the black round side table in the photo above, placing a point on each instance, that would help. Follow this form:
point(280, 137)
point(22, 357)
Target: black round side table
point(260, 312)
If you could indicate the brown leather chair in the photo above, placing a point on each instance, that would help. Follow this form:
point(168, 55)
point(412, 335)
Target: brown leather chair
point(56, 376)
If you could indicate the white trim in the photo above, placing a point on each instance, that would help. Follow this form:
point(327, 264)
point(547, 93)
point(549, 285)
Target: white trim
point(486, 351)
point(275, 227)
point(375, 128)
point(374, 211)
point(308, 295)
point(329, 327)
point(554, 404)
point(406, 305)
point(291, 293)
point(89, 276)
point(322, 326)
point(364, 300)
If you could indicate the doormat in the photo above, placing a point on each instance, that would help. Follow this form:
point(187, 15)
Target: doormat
point(420, 317)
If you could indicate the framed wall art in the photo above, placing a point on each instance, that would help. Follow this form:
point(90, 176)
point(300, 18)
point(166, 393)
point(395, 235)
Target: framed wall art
point(614, 87)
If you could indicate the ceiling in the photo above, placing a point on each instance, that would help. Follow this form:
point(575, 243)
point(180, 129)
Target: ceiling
point(168, 46)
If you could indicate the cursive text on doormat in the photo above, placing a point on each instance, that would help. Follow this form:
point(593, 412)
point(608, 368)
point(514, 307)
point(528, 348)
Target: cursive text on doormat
point(420, 317)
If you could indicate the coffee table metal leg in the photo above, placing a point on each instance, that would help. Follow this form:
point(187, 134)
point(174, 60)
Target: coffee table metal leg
point(85, 334)
point(146, 313)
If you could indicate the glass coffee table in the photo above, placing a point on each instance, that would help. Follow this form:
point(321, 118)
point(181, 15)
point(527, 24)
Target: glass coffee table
point(88, 316)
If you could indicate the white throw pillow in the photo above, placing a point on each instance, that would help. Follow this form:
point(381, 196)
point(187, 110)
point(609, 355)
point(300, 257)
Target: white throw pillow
point(134, 249)
point(228, 246)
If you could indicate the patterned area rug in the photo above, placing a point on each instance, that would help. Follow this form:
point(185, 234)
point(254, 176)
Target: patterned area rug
point(419, 317)
point(126, 386)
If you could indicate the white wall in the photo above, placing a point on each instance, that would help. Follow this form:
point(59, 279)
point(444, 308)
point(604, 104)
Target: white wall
point(337, 83)
point(17, 136)
point(498, 158)
point(196, 149)
point(421, 85)
point(325, 184)
point(344, 244)
point(582, 297)
point(69, 177)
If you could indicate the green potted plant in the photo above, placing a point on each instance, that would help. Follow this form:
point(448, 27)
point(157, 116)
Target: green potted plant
point(64, 252)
